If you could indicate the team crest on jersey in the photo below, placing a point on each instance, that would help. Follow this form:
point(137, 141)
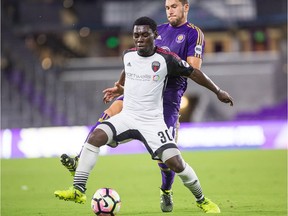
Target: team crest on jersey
point(155, 66)
point(180, 38)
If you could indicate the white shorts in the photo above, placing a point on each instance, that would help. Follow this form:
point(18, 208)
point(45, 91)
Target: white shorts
point(153, 133)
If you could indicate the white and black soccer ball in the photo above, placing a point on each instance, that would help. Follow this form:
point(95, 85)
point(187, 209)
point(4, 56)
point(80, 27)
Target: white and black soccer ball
point(105, 202)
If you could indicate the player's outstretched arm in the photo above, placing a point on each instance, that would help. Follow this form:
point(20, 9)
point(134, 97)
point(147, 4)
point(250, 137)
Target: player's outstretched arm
point(202, 79)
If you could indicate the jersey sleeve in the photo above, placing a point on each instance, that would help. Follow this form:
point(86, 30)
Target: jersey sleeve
point(178, 67)
point(196, 42)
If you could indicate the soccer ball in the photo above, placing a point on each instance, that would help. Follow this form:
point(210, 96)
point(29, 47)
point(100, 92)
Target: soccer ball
point(106, 202)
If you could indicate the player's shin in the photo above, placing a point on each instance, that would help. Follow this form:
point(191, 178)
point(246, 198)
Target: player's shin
point(88, 159)
point(191, 181)
point(167, 176)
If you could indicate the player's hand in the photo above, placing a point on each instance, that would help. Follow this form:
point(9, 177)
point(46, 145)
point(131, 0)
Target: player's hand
point(111, 93)
point(224, 97)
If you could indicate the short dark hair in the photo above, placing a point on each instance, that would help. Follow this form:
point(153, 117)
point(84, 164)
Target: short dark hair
point(184, 2)
point(146, 21)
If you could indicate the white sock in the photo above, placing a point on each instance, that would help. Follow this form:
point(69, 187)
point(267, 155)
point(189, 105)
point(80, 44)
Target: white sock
point(87, 160)
point(191, 181)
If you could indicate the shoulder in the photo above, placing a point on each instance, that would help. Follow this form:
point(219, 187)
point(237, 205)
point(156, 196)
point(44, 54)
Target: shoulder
point(193, 28)
point(167, 54)
point(129, 50)
point(162, 26)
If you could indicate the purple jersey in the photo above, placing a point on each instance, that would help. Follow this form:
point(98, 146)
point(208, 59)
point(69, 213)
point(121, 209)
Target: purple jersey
point(186, 40)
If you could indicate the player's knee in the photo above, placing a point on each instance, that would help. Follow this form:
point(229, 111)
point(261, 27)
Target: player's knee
point(98, 138)
point(104, 133)
point(115, 108)
point(176, 164)
point(109, 112)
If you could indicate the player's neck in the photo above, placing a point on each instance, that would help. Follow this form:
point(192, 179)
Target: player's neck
point(180, 24)
point(148, 53)
point(183, 22)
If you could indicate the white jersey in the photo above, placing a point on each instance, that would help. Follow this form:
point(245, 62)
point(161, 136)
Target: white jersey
point(145, 81)
point(142, 114)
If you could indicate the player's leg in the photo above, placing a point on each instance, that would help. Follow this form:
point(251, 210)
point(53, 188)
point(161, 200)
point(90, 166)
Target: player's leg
point(168, 152)
point(103, 134)
point(168, 175)
point(71, 162)
point(87, 160)
point(189, 178)
point(166, 195)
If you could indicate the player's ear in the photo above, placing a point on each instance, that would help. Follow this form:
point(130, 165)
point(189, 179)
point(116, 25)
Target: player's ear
point(186, 8)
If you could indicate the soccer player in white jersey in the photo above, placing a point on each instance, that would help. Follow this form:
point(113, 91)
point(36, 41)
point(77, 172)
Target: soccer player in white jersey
point(146, 69)
point(187, 41)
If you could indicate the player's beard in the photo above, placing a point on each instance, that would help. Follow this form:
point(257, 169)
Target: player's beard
point(175, 22)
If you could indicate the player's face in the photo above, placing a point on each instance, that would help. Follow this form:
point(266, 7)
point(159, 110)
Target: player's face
point(176, 12)
point(143, 37)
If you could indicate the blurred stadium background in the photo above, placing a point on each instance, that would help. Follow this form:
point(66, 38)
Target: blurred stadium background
point(58, 55)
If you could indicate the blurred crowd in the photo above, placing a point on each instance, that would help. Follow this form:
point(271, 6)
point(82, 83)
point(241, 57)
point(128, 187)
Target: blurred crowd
point(40, 36)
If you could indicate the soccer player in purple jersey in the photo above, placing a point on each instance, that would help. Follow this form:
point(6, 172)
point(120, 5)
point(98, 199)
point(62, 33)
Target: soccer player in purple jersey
point(146, 69)
point(187, 41)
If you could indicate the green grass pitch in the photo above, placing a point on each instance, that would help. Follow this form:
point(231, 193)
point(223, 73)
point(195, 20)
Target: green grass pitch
point(242, 182)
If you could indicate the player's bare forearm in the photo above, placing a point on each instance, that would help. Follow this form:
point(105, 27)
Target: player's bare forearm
point(121, 80)
point(202, 79)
